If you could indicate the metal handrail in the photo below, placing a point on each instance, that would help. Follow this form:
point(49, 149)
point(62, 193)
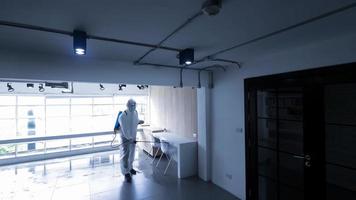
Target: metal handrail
point(27, 139)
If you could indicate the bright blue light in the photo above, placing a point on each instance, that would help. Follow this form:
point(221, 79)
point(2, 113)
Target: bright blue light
point(79, 51)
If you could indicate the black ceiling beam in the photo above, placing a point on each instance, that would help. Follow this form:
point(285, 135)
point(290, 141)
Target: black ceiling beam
point(94, 37)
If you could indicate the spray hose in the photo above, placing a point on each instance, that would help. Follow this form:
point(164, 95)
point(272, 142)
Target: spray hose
point(132, 141)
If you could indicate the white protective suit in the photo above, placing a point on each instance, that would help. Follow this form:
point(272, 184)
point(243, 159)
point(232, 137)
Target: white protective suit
point(128, 124)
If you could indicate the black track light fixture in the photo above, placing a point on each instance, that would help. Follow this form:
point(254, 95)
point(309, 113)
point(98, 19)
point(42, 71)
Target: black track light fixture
point(121, 86)
point(30, 85)
point(10, 88)
point(63, 85)
point(41, 88)
point(101, 87)
point(142, 87)
point(79, 42)
point(186, 56)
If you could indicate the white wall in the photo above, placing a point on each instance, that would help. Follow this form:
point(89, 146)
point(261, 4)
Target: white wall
point(204, 135)
point(174, 109)
point(228, 148)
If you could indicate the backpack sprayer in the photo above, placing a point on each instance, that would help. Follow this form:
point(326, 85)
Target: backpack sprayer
point(117, 130)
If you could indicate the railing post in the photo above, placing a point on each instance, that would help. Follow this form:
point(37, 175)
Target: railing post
point(92, 142)
point(44, 147)
point(16, 150)
point(70, 144)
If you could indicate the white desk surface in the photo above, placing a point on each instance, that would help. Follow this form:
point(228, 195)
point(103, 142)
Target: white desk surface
point(173, 138)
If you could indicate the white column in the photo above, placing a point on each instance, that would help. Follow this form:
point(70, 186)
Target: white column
point(204, 145)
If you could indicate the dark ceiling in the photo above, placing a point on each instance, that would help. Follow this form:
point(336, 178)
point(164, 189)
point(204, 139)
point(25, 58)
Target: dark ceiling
point(138, 20)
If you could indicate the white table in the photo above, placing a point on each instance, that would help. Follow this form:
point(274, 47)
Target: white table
point(187, 157)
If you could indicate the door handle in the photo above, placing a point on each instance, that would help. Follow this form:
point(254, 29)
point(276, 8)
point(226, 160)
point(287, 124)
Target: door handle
point(306, 157)
point(299, 157)
point(307, 160)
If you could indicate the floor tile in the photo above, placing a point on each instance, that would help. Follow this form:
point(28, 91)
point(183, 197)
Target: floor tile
point(77, 178)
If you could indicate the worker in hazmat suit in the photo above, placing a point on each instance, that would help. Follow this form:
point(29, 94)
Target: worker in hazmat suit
point(128, 124)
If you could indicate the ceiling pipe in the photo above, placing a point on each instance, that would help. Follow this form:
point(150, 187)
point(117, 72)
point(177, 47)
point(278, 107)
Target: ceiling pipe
point(209, 59)
point(35, 28)
point(199, 80)
point(180, 27)
point(214, 66)
point(94, 37)
point(170, 66)
point(211, 80)
point(238, 64)
point(132, 43)
point(63, 32)
point(181, 78)
point(211, 84)
point(70, 33)
point(288, 28)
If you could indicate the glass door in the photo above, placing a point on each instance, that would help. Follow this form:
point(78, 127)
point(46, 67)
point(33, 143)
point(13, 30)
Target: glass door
point(340, 140)
point(301, 135)
point(280, 144)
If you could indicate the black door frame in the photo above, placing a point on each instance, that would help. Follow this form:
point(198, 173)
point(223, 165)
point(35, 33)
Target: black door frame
point(313, 80)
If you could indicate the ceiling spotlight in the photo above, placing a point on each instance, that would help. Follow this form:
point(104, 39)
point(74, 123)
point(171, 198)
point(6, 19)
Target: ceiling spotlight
point(41, 88)
point(121, 86)
point(10, 88)
point(142, 87)
point(30, 85)
point(186, 56)
point(101, 87)
point(211, 7)
point(79, 42)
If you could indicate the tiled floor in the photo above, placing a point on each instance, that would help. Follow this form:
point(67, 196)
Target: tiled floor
point(96, 176)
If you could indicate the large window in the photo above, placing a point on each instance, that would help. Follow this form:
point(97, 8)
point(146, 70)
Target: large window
point(57, 115)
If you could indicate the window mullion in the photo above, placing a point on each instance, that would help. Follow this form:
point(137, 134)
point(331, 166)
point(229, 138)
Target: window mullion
point(45, 115)
point(70, 116)
point(16, 116)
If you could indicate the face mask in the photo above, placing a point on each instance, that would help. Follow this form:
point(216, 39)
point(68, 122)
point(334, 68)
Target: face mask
point(132, 107)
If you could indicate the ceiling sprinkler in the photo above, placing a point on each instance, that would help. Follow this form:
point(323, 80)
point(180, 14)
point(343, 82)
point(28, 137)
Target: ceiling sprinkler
point(211, 7)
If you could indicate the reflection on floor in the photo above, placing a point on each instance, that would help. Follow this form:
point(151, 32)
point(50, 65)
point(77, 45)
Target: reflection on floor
point(97, 176)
